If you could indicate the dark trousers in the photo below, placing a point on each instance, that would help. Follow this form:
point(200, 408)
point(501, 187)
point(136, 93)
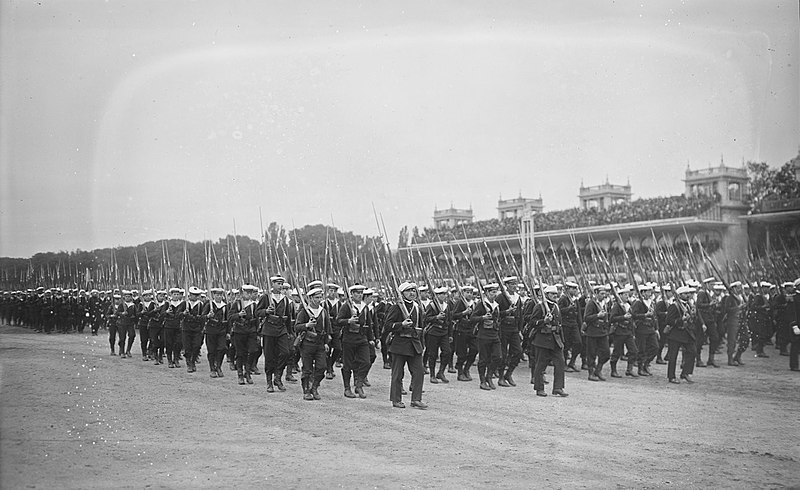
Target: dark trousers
point(246, 345)
point(794, 351)
point(335, 352)
point(112, 334)
point(510, 348)
point(573, 344)
point(435, 344)
point(647, 345)
point(124, 331)
point(597, 352)
point(172, 343)
point(543, 358)
point(687, 363)
point(712, 332)
point(414, 363)
point(144, 339)
point(624, 341)
point(314, 363)
point(466, 351)
point(488, 357)
point(276, 354)
point(215, 346)
point(192, 343)
point(355, 360)
point(156, 335)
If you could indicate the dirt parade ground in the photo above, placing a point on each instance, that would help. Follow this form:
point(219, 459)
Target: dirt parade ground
point(75, 417)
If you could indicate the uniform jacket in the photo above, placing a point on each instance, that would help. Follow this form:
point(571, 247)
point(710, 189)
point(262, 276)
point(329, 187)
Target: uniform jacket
point(407, 341)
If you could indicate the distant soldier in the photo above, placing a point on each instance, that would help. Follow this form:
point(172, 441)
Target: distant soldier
point(487, 316)
point(126, 323)
point(313, 327)
point(217, 331)
point(440, 331)
point(405, 345)
point(354, 322)
point(111, 319)
point(596, 329)
point(332, 305)
point(275, 311)
point(155, 327)
point(146, 310)
point(571, 319)
point(193, 321)
point(622, 334)
point(510, 310)
point(547, 342)
point(646, 332)
point(244, 328)
point(172, 326)
point(681, 331)
point(466, 344)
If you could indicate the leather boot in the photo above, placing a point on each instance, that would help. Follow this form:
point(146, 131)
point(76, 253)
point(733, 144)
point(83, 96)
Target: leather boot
point(240, 372)
point(509, 379)
point(306, 383)
point(348, 393)
point(289, 378)
point(270, 386)
point(482, 375)
point(440, 375)
point(315, 392)
point(641, 371)
point(360, 390)
point(711, 361)
point(461, 375)
point(278, 383)
point(738, 358)
point(614, 373)
point(629, 371)
point(731, 361)
point(598, 372)
point(501, 377)
point(213, 368)
point(466, 371)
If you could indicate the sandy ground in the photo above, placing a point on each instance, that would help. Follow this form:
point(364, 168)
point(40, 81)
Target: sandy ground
point(75, 417)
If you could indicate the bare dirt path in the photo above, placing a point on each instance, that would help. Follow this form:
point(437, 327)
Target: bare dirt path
point(74, 417)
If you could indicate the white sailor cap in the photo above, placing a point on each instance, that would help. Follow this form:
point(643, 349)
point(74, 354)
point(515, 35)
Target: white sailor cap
point(551, 289)
point(708, 280)
point(147, 292)
point(314, 284)
point(491, 286)
point(357, 287)
point(719, 286)
point(570, 284)
point(368, 291)
point(117, 296)
point(797, 282)
point(161, 291)
point(125, 292)
point(332, 285)
point(249, 287)
point(217, 290)
point(684, 290)
point(175, 290)
point(765, 284)
point(508, 279)
point(423, 287)
point(277, 278)
point(645, 287)
point(736, 284)
point(195, 290)
point(787, 284)
point(406, 286)
point(441, 290)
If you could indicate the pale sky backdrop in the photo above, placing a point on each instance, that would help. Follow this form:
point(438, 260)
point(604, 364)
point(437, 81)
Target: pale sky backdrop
point(124, 122)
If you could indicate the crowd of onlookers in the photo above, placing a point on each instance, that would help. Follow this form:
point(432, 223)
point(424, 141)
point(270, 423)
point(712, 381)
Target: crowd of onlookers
point(638, 210)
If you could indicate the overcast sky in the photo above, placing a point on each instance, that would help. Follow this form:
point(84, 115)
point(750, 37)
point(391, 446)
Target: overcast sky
point(124, 122)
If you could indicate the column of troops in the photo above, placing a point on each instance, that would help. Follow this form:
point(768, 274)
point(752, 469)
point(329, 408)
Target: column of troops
point(429, 331)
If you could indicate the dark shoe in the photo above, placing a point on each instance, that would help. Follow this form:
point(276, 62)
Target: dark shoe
point(466, 373)
point(593, 377)
point(675, 381)
point(214, 374)
point(541, 393)
point(502, 382)
point(642, 372)
point(315, 393)
point(403, 392)
point(366, 383)
point(279, 384)
point(490, 383)
point(485, 386)
point(462, 377)
point(451, 370)
point(232, 366)
point(256, 371)
point(419, 404)
point(387, 365)
point(349, 393)
point(434, 380)
point(290, 378)
point(270, 386)
point(220, 374)
point(560, 393)
point(570, 369)
point(360, 392)
point(510, 380)
point(631, 374)
point(398, 405)
point(241, 379)
point(308, 396)
point(248, 378)
point(687, 378)
point(600, 377)
point(615, 374)
point(713, 363)
point(660, 361)
point(329, 375)
point(338, 364)
point(440, 375)
point(584, 367)
point(699, 363)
